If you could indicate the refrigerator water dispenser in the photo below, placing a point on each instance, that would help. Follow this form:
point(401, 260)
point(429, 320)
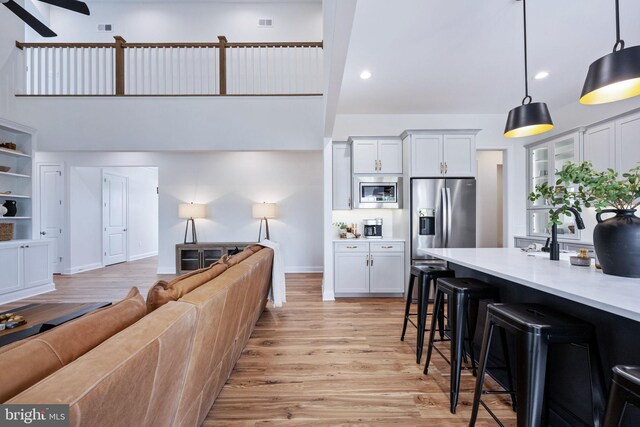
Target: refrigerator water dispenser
point(427, 222)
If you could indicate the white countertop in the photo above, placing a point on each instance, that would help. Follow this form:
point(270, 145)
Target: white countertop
point(586, 285)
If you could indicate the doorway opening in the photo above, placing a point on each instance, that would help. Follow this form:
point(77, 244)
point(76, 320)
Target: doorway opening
point(490, 199)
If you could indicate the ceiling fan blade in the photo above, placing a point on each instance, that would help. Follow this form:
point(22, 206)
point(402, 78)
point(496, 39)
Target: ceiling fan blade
point(29, 19)
point(74, 5)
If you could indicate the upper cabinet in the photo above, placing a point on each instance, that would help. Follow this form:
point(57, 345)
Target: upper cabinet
point(341, 182)
point(614, 144)
point(441, 153)
point(599, 146)
point(547, 158)
point(377, 156)
point(628, 142)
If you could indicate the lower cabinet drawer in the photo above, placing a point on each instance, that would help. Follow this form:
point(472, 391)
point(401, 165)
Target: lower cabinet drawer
point(387, 247)
point(352, 247)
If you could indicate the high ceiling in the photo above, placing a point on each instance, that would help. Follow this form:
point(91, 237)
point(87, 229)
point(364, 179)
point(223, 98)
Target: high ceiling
point(466, 56)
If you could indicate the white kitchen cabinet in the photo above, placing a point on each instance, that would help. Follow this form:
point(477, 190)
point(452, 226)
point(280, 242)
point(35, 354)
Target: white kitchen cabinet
point(369, 267)
point(341, 179)
point(426, 155)
point(377, 156)
point(442, 153)
point(543, 160)
point(459, 155)
point(599, 146)
point(628, 142)
point(26, 269)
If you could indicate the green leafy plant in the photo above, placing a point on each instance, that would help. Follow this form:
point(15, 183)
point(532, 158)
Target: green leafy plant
point(340, 225)
point(579, 185)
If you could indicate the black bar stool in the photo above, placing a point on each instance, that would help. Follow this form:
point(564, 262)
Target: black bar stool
point(427, 274)
point(460, 293)
point(535, 327)
point(625, 388)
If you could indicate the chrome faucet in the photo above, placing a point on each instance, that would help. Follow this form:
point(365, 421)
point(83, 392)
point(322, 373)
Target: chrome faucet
point(554, 252)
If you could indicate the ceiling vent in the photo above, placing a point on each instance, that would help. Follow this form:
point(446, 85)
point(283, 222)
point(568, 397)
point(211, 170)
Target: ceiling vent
point(105, 28)
point(265, 22)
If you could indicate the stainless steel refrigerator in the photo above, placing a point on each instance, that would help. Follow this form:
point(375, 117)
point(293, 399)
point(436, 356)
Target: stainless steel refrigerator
point(443, 215)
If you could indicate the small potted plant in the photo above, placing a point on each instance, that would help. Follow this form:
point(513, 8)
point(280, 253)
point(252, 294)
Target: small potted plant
point(616, 239)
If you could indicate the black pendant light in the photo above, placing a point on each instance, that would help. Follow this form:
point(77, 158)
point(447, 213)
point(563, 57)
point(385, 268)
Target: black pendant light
point(530, 118)
point(615, 76)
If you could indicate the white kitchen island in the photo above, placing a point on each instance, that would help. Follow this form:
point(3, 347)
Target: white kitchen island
point(610, 303)
point(585, 285)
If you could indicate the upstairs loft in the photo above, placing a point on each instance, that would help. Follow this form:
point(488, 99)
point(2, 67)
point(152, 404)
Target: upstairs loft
point(171, 96)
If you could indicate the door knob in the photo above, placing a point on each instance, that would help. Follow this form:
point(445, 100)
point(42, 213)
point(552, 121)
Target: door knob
point(43, 233)
point(124, 229)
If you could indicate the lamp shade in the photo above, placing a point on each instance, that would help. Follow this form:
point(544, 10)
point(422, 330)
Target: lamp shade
point(528, 119)
point(613, 77)
point(192, 210)
point(264, 210)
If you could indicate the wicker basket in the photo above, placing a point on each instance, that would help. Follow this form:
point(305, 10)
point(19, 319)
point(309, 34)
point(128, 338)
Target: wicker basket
point(6, 232)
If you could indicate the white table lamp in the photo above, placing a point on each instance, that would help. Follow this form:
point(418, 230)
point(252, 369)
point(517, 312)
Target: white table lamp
point(191, 211)
point(264, 211)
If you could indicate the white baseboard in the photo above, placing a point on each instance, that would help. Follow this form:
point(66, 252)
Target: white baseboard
point(82, 268)
point(166, 270)
point(143, 256)
point(26, 293)
point(328, 295)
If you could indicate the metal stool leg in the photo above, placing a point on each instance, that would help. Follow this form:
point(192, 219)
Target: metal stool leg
point(597, 381)
point(458, 321)
point(407, 307)
point(423, 307)
point(507, 363)
point(531, 372)
point(618, 397)
point(484, 355)
point(437, 307)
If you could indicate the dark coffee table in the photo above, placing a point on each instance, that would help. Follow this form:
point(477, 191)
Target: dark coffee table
point(42, 317)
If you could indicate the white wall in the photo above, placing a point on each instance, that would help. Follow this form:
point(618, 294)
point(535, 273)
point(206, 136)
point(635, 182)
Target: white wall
point(12, 30)
point(229, 183)
point(85, 215)
point(188, 21)
point(174, 123)
point(488, 210)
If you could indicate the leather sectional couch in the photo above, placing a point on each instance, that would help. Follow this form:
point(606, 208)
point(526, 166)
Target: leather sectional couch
point(159, 365)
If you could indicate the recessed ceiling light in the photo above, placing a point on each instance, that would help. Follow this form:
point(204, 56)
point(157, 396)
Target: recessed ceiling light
point(541, 75)
point(366, 74)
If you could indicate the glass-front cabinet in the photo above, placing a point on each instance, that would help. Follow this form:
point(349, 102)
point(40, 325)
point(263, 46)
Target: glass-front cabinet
point(543, 161)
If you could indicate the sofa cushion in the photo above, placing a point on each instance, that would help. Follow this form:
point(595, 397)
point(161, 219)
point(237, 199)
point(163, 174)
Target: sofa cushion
point(35, 358)
point(132, 379)
point(162, 292)
point(239, 257)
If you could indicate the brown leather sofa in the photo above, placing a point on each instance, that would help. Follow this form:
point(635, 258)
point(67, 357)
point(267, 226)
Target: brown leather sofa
point(167, 368)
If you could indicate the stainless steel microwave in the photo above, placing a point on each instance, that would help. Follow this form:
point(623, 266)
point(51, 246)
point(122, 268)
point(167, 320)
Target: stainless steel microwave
point(377, 192)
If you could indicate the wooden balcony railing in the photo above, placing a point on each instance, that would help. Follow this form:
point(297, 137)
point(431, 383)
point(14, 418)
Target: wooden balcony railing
point(170, 69)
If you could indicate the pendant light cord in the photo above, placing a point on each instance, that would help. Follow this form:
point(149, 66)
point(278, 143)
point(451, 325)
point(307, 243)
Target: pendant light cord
point(526, 78)
point(619, 42)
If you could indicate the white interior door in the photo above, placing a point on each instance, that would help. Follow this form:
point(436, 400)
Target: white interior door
point(51, 211)
point(114, 218)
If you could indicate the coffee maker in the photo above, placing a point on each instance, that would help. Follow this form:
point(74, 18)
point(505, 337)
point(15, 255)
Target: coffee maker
point(373, 228)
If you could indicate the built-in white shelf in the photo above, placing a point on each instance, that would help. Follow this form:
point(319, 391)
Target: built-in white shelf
point(9, 218)
point(13, 153)
point(14, 196)
point(19, 175)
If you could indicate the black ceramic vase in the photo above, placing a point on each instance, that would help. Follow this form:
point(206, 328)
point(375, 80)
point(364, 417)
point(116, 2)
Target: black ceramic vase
point(12, 209)
point(617, 243)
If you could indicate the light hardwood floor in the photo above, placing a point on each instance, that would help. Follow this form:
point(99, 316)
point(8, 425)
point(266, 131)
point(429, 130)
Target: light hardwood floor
point(314, 363)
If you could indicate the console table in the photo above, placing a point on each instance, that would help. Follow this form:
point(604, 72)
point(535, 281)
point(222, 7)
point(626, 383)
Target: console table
point(192, 256)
